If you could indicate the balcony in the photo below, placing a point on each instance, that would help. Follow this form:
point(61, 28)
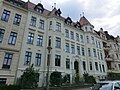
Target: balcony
point(109, 59)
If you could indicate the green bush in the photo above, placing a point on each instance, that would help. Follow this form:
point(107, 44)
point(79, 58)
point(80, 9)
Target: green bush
point(113, 76)
point(9, 87)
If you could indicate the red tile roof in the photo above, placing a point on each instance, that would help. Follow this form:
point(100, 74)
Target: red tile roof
point(84, 21)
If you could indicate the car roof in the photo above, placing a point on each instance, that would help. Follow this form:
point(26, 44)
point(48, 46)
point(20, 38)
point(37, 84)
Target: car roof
point(109, 81)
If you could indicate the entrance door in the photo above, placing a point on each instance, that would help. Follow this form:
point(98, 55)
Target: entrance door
point(76, 66)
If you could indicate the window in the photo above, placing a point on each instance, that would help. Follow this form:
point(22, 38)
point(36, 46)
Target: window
point(33, 21)
point(94, 52)
point(90, 65)
point(50, 26)
point(12, 38)
point(87, 39)
point(89, 53)
point(86, 28)
point(41, 24)
point(2, 31)
point(84, 65)
point(68, 63)
point(100, 68)
point(101, 56)
point(92, 40)
point(3, 81)
point(67, 48)
point(99, 45)
point(30, 38)
point(7, 60)
point(39, 40)
point(83, 51)
point(72, 34)
point(5, 15)
point(77, 37)
point(81, 38)
point(72, 49)
point(17, 19)
point(58, 42)
point(96, 44)
point(28, 56)
point(78, 50)
point(58, 26)
point(38, 59)
point(57, 60)
point(96, 65)
point(66, 33)
point(98, 55)
point(103, 68)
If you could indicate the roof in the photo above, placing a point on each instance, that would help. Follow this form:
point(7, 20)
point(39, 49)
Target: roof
point(84, 21)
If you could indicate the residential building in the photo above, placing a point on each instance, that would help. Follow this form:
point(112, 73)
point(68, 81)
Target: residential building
point(12, 25)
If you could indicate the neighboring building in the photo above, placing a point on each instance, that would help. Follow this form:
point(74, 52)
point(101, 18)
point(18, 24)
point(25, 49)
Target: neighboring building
point(111, 47)
point(12, 25)
point(76, 46)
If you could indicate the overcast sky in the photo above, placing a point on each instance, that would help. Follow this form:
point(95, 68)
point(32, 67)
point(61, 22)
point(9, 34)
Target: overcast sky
point(101, 13)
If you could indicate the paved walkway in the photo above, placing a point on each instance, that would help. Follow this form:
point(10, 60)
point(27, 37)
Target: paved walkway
point(82, 89)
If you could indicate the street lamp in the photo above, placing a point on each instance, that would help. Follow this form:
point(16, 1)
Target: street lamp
point(48, 63)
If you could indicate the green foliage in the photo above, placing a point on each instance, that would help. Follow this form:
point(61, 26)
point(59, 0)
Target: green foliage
point(29, 78)
point(55, 78)
point(9, 87)
point(66, 79)
point(77, 78)
point(89, 79)
point(113, 76)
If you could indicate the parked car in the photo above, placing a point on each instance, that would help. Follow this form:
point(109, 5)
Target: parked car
point(107, 85)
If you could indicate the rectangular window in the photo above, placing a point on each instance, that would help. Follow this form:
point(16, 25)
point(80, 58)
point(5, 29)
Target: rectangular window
point(83, 51)
point(96, 65)
point(28, 56)
point(58, 26)
point(33, 21)
point(99, 45)
point(92, 40)
point(72, 34)
point(90, 65)
point(73, 49)
point(17, 19)
point(66, 33)
point(67, 47)
point(58, 42)
point(84, 65)
point(103, 68)
point(5, 15)
point(94, 52)
point(7, 60)
point(57, 60)
point(30, 38)
point(12, 38)
point(77, 37)
point(2, 31)
point(38, 59)
point(101, 56)
point(87, 39)
point(81, 38)
point(89, 53)
point(50, 25)
point(78, 50)
point(41, 26)
point(68, 63)
point(98, 55)
point(39, 40)
point(100, 68)
point(3, 81)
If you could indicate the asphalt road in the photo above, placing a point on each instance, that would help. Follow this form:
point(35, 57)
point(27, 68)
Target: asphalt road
point(82, 89)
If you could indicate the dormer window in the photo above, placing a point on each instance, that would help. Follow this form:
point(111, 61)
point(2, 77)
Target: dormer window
point(58, 12)
point(68, 21)
point(39, 8)
point(77, 25)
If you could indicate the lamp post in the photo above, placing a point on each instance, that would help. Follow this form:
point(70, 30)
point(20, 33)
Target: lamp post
point(48, 65)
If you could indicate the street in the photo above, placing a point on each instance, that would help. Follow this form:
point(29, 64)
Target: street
point(82, 89)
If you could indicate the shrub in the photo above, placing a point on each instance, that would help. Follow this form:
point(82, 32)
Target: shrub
point(9, 87)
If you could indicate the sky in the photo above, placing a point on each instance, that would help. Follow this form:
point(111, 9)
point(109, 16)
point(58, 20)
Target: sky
point(100, 13)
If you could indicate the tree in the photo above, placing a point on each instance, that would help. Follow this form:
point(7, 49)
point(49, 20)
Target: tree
point(55, 78)
point(29, 78)
point(77, 78)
